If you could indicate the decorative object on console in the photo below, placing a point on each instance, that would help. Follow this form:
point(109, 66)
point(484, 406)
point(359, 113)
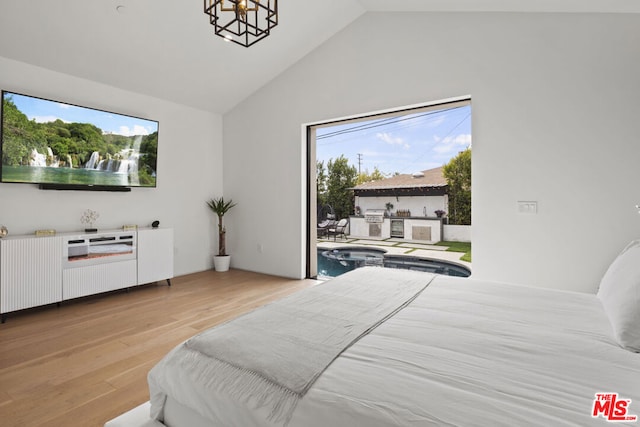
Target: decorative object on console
point(248, 22)
point(89, 217)
point(155, 224)
point(3, 231)
point(41, 233)
point(128, 227)
point(220, 207)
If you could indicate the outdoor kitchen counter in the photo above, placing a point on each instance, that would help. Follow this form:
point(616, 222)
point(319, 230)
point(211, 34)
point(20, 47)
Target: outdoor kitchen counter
point(426, 229)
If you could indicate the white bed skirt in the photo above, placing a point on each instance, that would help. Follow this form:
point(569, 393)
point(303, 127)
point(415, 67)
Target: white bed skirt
point(176, 415)
point(137, 417)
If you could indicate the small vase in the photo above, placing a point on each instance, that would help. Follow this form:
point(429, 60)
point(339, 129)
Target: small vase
point(221, 262)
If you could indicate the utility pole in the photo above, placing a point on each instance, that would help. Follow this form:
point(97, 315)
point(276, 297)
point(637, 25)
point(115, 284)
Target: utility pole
point(359, 162)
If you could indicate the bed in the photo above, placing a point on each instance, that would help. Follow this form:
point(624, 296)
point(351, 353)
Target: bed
point(448, 352)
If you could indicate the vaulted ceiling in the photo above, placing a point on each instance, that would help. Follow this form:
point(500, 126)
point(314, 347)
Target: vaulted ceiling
point(167, 49)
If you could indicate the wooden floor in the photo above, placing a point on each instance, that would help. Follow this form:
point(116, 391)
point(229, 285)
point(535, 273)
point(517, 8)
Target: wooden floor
point(86, 362)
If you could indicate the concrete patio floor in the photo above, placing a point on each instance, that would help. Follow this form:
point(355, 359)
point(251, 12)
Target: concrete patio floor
point(396, 246)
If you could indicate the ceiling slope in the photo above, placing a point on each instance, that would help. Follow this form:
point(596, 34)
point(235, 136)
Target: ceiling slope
point(167, 49)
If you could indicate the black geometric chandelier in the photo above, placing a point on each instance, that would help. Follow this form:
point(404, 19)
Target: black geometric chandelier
point(244, 22)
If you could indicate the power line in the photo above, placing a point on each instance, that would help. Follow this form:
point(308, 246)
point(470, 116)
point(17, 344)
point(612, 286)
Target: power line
point(363, 126)
point(445, 137)
point(382, 122)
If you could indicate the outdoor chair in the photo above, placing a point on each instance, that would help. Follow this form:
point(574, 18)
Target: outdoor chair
point(339, 229)
point(323, 227)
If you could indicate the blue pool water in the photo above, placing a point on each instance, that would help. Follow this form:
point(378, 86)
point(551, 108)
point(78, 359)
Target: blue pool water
point(334, 262)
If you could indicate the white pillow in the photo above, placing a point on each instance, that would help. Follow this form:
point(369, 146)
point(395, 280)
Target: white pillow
point(620, 295)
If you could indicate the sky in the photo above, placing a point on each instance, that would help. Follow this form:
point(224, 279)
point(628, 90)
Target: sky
point(43, 111)
point(405, 144)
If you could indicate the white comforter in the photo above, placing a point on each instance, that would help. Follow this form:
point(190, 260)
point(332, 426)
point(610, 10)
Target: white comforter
point(464, 353)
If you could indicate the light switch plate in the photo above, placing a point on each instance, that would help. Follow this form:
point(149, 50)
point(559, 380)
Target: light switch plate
point(527, 207)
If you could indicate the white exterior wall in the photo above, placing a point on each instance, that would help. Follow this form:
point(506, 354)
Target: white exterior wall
point(189, 170)
point(554, 98)
point(435, 225)
point(359, 227)
point(418, 205)
point(457, 233)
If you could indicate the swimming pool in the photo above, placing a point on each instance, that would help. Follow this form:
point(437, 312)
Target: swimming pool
point(334, 262)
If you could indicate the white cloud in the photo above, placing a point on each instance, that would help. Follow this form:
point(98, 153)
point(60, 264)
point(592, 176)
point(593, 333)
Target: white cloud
point(137, 130)
point(65, 106)
point(389, 139)
point(386, 137)
point(462, 139)
point(47, 119)
point(452, 144)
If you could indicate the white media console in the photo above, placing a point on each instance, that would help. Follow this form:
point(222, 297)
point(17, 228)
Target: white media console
point(37, 271)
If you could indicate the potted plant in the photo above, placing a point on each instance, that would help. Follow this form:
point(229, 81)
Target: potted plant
point(388, 206)
point(220, 207)
point(440, 213)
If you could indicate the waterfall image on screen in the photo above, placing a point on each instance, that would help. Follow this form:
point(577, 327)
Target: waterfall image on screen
point(51, 142)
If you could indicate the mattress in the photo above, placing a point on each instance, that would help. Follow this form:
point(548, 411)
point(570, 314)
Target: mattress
point(464, 352)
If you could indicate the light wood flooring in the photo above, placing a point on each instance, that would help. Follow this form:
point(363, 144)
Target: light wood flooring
point(86, 362)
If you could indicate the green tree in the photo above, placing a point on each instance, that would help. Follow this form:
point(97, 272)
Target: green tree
point(60, 147)
point(149, 151)
point(18, 134)
point(321, 184)
point(458, 175)
point(340, 181)
point(365, 176)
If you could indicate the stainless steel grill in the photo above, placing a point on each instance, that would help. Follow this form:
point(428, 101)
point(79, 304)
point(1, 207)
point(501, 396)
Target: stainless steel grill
point(374, 215)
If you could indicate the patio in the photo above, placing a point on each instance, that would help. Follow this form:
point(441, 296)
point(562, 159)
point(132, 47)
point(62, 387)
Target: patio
point(396, 246)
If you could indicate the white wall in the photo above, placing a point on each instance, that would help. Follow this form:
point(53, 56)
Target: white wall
point(418, 205)
point(554, 104)
point(456, 233)
point(189, 169)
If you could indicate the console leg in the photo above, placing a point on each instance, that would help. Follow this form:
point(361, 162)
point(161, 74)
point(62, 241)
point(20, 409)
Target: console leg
point(4, 318)
point(169, 282)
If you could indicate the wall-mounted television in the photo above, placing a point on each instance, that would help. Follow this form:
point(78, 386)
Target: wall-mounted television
point(64, 146)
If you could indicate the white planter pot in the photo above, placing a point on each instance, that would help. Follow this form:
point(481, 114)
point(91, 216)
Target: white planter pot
point(221, 263)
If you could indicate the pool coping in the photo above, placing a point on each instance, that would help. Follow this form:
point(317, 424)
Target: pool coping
point(400, 247)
